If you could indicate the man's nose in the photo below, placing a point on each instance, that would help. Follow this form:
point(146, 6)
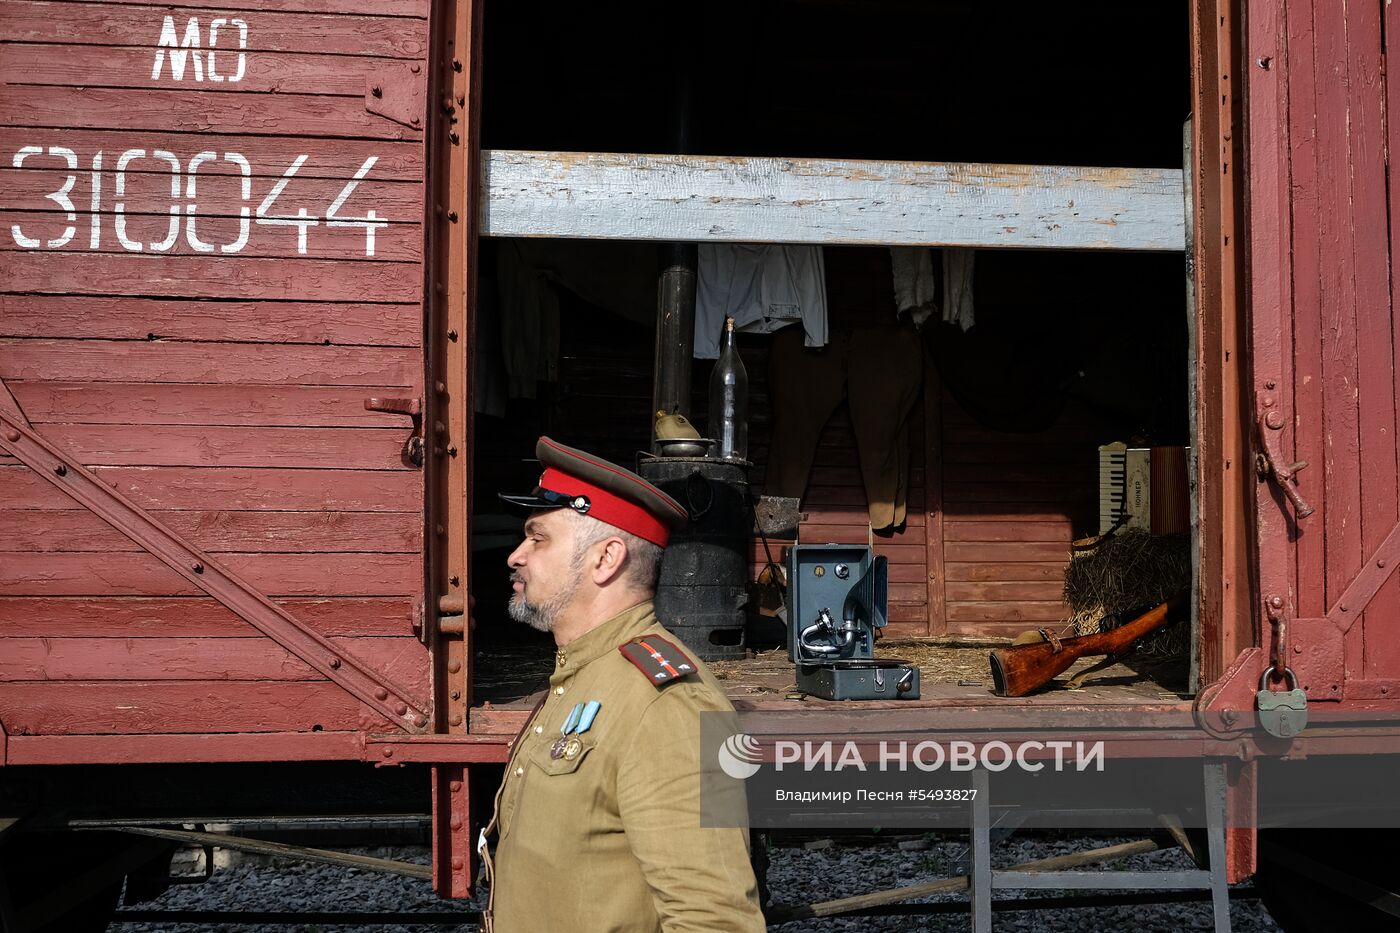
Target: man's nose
point(517, 556)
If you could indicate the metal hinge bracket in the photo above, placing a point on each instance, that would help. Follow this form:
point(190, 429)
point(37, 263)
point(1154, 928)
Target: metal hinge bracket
point(398, 92)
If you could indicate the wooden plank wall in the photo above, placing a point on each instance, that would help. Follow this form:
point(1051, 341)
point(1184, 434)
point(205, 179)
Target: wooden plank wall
point(213, 255)
point(985, 546)
point(836, 513)
point(1012, 503)
point(1342, 388)
point(987, 540)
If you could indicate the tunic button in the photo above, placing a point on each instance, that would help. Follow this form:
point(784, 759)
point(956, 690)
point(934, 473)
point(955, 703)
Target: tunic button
point(558, 691)
point(519, 771)
point(539, 729)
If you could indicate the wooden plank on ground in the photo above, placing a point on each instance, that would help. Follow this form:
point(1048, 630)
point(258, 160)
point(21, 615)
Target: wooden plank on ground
point(778, 200)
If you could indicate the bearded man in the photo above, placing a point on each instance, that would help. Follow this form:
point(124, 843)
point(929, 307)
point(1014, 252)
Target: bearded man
point(597, 823)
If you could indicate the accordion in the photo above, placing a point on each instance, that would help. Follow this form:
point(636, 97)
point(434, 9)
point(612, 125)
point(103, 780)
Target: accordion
point(1144, 487)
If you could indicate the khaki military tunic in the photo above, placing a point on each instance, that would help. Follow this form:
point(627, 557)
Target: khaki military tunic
point(610, 839)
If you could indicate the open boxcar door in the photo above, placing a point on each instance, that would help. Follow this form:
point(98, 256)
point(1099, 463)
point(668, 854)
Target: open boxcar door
point(1324, 347)
point(1322, 396)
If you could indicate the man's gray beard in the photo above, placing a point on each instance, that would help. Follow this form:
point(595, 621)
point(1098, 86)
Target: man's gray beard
point(542, 616)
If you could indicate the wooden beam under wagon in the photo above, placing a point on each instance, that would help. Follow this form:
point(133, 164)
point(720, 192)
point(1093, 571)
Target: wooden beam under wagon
point(603, 195)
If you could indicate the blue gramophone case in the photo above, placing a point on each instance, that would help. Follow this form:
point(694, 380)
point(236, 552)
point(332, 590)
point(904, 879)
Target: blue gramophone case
point(837, 597)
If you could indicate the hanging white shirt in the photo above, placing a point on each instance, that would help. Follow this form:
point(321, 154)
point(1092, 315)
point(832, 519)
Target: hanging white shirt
point(763, 287)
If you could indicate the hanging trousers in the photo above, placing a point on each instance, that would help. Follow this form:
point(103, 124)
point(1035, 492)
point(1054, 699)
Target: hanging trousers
point(880, 371)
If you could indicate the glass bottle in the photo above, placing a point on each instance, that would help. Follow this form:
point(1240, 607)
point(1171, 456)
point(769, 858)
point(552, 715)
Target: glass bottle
point(729, 399)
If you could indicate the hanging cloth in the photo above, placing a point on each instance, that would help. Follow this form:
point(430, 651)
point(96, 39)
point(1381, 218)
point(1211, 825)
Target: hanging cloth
point(764, 287)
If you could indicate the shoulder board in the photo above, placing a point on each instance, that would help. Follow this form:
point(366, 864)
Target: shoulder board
point(657, 658)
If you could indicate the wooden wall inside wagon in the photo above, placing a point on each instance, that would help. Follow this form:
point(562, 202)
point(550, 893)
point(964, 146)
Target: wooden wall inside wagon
point(1071, 350)
point(213, 238)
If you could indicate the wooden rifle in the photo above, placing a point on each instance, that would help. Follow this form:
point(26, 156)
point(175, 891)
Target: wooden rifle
point(1020, 669)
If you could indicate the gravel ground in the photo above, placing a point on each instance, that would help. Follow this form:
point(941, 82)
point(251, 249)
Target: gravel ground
point(797, 875)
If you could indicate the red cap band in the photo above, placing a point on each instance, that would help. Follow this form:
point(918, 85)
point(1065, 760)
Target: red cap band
point(609, 508)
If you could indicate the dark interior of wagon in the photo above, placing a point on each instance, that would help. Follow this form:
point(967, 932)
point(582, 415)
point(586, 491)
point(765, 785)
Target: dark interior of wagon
point(1058, 353)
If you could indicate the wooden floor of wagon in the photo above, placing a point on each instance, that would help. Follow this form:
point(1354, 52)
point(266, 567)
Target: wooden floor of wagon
point(508, 678)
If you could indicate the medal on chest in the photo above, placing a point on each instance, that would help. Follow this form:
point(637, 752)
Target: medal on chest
point(579, 721)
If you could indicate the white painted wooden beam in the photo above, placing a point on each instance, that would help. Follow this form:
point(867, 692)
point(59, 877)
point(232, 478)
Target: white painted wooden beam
point(619, 196)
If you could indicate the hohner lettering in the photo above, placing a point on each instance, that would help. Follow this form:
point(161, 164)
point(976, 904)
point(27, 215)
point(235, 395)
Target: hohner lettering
point(1143, 487)
point(1125, 487)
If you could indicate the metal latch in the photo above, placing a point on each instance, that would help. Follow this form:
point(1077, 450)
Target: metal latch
point(413, 407)
point(1270, 465)
point(1282, 713)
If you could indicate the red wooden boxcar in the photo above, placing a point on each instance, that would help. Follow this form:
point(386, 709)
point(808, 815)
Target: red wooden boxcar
point(236, 332)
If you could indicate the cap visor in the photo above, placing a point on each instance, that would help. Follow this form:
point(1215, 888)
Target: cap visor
point(527, 503)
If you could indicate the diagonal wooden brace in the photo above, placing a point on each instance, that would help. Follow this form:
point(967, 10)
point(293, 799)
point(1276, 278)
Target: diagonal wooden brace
point(18, 438)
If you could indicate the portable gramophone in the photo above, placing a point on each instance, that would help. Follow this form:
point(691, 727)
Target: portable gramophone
point(836, 601)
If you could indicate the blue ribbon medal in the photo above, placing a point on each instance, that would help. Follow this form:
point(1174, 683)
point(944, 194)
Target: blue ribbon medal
point(579, 721)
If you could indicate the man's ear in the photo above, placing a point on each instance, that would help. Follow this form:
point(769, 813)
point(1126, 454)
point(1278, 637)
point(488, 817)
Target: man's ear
point(611, 559)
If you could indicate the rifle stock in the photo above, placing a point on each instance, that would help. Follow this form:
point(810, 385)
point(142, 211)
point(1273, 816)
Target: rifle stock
point(1020, 669)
